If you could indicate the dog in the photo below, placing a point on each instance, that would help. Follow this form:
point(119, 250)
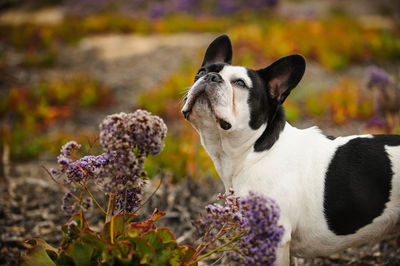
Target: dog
point(333, 193)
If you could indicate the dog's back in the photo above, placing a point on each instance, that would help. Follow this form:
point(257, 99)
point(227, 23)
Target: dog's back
point(360, 197)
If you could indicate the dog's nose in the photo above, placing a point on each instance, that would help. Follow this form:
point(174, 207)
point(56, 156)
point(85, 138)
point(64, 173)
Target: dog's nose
point(213, 77)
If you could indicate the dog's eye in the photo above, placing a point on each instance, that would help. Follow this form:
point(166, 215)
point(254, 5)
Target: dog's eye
point(240, 83)
point(199, 74)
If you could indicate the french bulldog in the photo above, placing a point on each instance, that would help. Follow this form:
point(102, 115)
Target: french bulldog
point(333, 193)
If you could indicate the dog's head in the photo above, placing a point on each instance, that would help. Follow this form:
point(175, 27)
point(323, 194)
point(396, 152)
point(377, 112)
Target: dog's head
point(237, 101)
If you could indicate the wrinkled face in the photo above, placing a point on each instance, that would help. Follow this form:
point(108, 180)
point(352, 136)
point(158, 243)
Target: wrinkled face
point(235, 99)
point(219, 95)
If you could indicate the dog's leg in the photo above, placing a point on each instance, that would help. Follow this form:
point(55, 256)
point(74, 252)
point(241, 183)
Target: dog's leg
point(283, 255)
point(293, 261)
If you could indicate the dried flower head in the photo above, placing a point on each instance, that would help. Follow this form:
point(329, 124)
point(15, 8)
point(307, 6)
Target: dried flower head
point(128, 139)
point(139, 130)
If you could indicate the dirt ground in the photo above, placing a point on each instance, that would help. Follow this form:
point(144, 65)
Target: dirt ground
point(31, 208)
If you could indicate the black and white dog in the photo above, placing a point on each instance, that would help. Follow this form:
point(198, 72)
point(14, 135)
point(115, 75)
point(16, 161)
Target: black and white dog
point(333, 193)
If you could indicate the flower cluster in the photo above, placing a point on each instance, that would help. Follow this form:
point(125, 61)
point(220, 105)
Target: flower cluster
point(220, 215)
point(254, 222)
point(127, 139)
point(260, 221)
point(378, 77)
point(120, 132)
point(69, 148)
point(69, 204)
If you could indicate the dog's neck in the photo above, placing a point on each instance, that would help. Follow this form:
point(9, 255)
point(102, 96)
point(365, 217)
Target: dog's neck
point(230, 151)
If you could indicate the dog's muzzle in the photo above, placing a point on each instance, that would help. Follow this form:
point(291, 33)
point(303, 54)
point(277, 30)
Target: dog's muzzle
point(210, 80)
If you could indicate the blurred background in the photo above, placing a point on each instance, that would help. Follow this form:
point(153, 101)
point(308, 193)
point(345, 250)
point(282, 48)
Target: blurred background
point(66, 64)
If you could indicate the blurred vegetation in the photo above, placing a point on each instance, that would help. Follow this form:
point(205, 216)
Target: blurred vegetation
point(334, 41)
point(259, 36)
point(29, 111)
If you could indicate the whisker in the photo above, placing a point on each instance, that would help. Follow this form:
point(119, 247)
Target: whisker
point(184, 91)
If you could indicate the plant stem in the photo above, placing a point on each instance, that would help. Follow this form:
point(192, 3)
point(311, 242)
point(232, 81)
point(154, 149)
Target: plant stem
point(152, 194)
point(59, 184)
point(112, 229)
point(109, 205)
point(112, 216)
point(241, 233)
point(220, 233)
point(81, 211)
point(95, 201)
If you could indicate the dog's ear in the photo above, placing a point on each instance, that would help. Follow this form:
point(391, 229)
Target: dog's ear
point(283, 75)
point(219, 51)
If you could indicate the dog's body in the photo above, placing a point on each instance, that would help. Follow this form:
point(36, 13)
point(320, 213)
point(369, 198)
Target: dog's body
point(333, 193)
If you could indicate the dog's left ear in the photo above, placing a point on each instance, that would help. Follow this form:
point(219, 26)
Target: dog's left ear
point(283, 75)
point(219, 51)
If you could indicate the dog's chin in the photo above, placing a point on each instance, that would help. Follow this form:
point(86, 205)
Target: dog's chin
point(202, 109)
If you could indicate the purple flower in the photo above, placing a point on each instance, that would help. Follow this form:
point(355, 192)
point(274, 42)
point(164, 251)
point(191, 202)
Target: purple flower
point(376, 122)
point(134, 130)
point(69, 204)
point(256, 216)
point(377, 77)
point(129, 199)
point(263, 234)
point(185, 5)
point(87, 203)
point(128, 139)
point(69, 148)
point(256, 4)
point(158, 10)
point(227, 7)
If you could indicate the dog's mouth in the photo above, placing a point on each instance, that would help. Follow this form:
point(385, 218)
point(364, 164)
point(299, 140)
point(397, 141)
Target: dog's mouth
point(190, 102)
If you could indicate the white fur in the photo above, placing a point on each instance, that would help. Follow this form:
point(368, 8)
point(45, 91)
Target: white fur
point(292, 172)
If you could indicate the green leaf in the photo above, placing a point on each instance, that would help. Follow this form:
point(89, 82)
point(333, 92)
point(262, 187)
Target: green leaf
point(39, 242)
point(162, 257)
point(64, 259)
point(109, 254)
point(157, 214)
point(72, 229)
point(120, 222)
point(81, 253)
point(166, 235)
point(154, 239)
point(94, 240)
point(144, 250)
point(37, 255)
point(174, 256)
point(126, 247)
point(127, 250)
point(188, 252)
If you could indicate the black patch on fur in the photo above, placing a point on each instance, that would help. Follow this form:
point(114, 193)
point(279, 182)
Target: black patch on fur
point(215, 67)
point(270, 87)
point(264, 109)
point(271, 134)
point(331, 137)
point(358, 183)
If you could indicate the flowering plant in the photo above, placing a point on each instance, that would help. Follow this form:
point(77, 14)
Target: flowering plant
point(127, 139)
point(246, 227)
